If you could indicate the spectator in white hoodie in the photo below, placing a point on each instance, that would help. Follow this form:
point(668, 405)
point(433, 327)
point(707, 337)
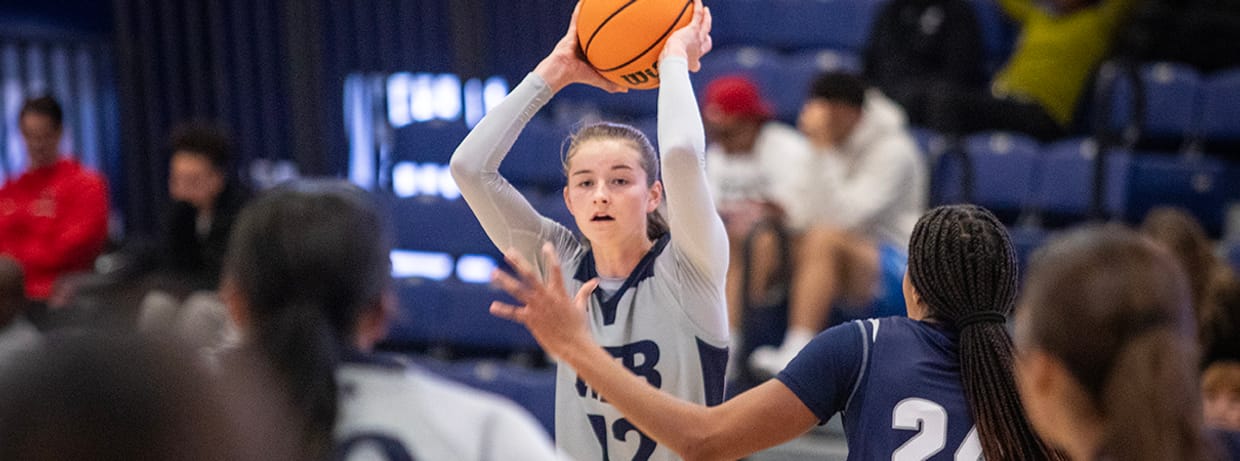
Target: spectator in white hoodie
point(864, 188)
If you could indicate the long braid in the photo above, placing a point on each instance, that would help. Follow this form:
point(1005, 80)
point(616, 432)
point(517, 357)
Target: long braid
point(962, 263)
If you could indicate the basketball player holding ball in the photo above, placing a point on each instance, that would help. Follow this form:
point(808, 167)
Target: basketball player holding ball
point(656, 300)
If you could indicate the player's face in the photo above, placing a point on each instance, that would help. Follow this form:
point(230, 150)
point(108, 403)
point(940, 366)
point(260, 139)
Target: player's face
point(607, 192)
point(42, 138)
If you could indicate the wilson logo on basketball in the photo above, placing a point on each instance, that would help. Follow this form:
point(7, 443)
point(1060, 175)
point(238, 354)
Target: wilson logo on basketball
point(641, 77)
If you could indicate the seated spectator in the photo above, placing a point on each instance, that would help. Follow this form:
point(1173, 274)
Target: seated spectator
point(54, 217)
point(917, 47)
point(750, 160)
point(1061, 43)
point(861, 192)
point(307, 279)
point(206, 199)
point(16, 333)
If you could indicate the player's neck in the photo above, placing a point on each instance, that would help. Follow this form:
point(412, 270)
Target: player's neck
point(619, 260)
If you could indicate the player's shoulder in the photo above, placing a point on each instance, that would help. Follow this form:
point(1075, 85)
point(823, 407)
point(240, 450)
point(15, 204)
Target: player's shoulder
point(899, 329)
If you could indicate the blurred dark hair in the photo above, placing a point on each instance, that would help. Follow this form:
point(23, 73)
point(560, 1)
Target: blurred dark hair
point(839, 87)
point(45, 106)
point(308, 257)
point(1115, 309)
point(205, 139)
point(97, 395)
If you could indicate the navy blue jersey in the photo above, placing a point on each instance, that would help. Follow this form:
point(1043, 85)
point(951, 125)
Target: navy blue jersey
point(897, 383)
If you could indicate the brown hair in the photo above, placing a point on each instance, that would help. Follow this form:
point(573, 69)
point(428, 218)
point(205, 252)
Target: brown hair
point(1221, 378)
point(656, 225)
point(1211, 282)
point(961, 262)
point(1115, 309)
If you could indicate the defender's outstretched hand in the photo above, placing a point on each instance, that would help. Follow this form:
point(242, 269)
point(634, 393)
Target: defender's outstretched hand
point(557, 322)
point(566, 64)
point(692, 41)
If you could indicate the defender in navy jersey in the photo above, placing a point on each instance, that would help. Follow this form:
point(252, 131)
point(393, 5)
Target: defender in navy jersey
point(935, 386)
point(656, 289)
point(906, 369)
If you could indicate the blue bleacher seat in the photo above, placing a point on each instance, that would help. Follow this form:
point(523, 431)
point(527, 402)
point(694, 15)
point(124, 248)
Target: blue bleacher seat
point(535, 158)
point(1064, 189)
point(790, 86)
point(455, 315)
point(795, 24)
point(758, 64)
point(1220, 108)
point(1171, 102)
point(931, 143)
point(1004, 167)
point(1026, 240)
point(1195, 183)
point(427, 142)
point(430, 223)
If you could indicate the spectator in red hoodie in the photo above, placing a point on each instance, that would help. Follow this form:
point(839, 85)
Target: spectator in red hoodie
point(54, 217)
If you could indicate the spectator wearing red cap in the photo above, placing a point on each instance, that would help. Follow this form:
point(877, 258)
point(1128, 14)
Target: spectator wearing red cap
point(859, 194)
point(749, 163)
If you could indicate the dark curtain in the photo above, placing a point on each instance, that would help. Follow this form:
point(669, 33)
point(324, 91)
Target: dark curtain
point(273, 71)
point(181, 60)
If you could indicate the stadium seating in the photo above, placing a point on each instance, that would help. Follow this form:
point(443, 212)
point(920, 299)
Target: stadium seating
point(1171, 96)
point(790, 86)
point(455, 316)
point(1195, 183)
point(1003, 169)
point(429, 223)
point(428, 142)
point(1064, 189)
point(1220, 112)
point(761, 65)
point(534, 160)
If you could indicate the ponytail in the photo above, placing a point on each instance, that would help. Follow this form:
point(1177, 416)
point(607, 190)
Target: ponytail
point(1149, 402)
point(303, 351)
point(961, 261)
point(656, 224)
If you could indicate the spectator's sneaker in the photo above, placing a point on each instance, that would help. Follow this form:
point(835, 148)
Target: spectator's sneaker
point(767, 361)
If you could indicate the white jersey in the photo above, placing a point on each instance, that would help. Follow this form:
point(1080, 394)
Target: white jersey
point(667, 322)
point(393, 412)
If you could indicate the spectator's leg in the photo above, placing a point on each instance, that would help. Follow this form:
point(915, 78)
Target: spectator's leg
point(832, 265)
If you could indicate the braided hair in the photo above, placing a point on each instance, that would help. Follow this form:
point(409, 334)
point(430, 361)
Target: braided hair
point(961, 262)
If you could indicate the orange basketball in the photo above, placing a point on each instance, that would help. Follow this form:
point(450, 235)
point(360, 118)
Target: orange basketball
point(622, 39)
